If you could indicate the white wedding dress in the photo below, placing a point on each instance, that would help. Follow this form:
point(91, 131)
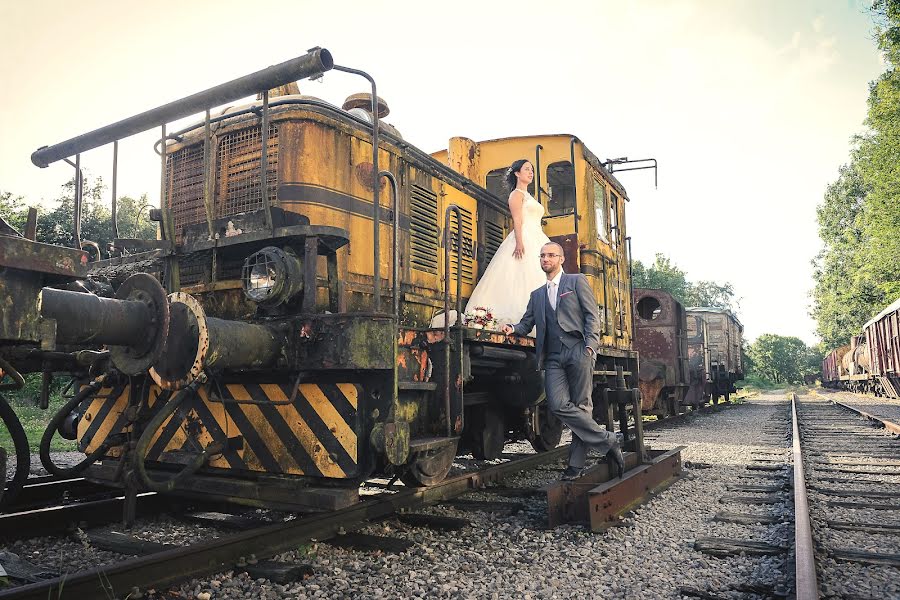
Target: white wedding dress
point(507, 282)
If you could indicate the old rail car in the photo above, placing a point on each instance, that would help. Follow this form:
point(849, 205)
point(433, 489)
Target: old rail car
point(724, 335)
point(676, 355)
point(25, 267)
point(274, 345)
point(660, 338)
point(871, 362)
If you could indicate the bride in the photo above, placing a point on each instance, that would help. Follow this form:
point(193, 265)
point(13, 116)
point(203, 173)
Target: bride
point(515, 270)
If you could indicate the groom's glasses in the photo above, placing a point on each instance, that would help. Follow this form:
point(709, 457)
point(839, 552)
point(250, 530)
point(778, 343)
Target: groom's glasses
point(548, 255)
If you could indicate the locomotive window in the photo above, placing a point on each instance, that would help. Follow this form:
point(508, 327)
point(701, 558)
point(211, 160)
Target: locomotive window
point(561, 188)
point(649, 308)
point(614, 219)
point(496, 184)
point(600, 210)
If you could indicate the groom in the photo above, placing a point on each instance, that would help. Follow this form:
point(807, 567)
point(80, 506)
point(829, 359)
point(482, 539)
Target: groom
point(568, 334)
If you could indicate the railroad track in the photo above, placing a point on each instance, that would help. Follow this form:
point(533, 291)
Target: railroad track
point(847, 502)
point(168, 565)
point(158, 566)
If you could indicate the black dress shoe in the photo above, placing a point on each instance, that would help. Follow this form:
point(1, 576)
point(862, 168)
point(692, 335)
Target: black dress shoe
point(616, 460)
point(571, 473)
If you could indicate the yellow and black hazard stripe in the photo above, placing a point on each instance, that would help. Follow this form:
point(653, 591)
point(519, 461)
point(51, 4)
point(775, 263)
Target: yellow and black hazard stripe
point(316, 435)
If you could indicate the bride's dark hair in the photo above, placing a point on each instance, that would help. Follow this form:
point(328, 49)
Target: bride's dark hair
point(511, 179)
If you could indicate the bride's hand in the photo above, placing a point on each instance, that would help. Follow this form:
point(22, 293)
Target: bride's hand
point(519, 252)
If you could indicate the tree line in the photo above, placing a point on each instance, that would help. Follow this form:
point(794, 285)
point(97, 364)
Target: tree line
point(55, 226)
point(857, 273)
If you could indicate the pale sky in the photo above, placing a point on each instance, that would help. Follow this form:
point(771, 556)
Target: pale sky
point(748, 106)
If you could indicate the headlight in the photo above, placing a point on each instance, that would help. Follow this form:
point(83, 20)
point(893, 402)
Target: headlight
point(272, 276)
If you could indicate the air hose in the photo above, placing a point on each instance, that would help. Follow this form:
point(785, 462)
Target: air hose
point(50, 431)
point(143, 445)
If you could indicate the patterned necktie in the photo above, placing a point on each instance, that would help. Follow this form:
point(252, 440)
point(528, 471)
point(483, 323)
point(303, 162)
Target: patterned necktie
point(551, 294)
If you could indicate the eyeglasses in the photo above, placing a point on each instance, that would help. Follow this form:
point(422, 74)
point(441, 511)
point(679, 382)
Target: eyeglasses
point(549, 255)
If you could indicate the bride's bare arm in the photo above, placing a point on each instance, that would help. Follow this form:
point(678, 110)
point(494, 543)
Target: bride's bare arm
point(516, 200)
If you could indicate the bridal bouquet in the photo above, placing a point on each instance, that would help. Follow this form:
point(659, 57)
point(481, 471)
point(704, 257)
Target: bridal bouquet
point(480, 318)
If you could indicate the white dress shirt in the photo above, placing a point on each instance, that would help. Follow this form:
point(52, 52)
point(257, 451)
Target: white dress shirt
point(553, 289)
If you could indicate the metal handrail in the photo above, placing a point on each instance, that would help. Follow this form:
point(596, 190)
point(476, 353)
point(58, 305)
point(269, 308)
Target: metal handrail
point(376, 184)
point(395, 287)
point(317, 60)
point(451, 208)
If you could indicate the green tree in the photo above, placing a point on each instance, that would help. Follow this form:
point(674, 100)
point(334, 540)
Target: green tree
point(858, 271)
point(665, 275)
point(779, 359)
point(56, 226)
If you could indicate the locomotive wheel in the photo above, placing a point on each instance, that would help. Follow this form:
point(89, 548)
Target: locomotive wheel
point(430, 467)
point(549, 431)
point(486, 432)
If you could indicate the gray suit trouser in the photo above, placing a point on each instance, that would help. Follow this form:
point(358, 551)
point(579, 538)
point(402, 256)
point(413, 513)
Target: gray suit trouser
point(568, 382)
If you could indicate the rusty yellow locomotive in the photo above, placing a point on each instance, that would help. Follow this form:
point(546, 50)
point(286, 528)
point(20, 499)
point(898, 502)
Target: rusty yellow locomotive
point(274, 346)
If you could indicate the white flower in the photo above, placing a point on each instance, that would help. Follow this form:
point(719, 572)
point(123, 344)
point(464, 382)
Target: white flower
point(480, 312)
point(477, 326)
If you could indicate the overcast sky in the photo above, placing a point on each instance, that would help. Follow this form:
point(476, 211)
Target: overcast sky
point(748, 106)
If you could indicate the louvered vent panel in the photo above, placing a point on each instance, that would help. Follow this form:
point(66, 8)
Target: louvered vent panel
point(467, 236)
point(238, 164)
point(423, 230)
point(493, 237)
point(184, 176)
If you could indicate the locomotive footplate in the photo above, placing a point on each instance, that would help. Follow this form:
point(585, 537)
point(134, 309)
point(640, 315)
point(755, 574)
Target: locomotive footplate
point(600, 498)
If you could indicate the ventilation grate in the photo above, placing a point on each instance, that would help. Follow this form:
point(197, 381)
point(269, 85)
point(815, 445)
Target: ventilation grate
point(184, 192)
point(467, 254)
point(493, 237)
point(238, 168)
point(423, 230)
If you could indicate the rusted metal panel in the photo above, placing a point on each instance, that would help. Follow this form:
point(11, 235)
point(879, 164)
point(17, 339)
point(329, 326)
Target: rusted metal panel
point(25, 255)
point(660, 339)
point(344, 341)
point(26, 267)
point(609, 501)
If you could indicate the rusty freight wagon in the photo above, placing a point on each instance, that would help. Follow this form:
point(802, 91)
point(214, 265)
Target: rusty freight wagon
point(660, 337)
point(274, 346)
point(883, 344)
point(724, 338)
point(833, 367)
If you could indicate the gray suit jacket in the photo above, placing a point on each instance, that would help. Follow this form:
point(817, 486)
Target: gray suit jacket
point(576, 311)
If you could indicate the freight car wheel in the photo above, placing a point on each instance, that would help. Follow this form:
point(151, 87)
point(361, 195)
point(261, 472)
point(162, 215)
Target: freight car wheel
point(430, 467)
point(549, 430)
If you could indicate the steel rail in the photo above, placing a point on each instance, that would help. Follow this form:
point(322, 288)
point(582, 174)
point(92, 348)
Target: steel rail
point(43, 491)
point(55, 520)
point(807, 587)
point(173, 566)
point(888, 425)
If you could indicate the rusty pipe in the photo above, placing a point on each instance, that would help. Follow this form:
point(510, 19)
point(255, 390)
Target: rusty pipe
point(83, 318)
point(196, 343)
point(314, 62)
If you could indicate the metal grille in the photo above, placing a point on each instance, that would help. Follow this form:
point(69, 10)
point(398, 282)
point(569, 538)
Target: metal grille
point(467, 254)
point(195, 267)
point(184, 174)
point(493, 237)
point(238, 168)
point(423, 230)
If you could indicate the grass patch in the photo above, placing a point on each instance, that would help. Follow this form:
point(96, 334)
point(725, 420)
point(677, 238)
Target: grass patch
point(34, 420)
